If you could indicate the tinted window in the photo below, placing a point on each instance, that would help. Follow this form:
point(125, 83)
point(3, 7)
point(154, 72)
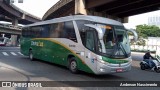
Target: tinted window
point(69, 31)
point(26, 32)
point(90, 42)
point(45, 30)
point(56, 30)
point(63, 30)
point(82, 28)
point(35, 32)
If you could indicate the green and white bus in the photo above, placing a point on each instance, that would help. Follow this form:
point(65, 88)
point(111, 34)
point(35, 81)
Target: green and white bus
point(88, 43)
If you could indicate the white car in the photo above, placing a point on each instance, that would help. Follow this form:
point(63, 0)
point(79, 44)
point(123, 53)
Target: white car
point(3, 41)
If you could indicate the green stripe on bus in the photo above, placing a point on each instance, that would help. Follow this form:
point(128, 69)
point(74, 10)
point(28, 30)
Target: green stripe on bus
point(60, 51)
point(113, 61)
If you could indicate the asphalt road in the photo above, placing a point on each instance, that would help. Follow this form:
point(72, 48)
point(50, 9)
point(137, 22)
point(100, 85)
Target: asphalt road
point(16, 67)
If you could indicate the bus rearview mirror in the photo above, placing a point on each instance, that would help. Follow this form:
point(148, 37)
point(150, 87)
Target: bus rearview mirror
point(135, 38)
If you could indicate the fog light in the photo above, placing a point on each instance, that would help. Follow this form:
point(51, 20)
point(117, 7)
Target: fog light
point(102, 70)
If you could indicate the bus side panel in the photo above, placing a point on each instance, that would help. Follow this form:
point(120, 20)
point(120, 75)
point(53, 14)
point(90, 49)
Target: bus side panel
point(36, 47)
point(47, 50)
point(81, 59)
point(55, 52)
point(83, 66)
point(25, 45)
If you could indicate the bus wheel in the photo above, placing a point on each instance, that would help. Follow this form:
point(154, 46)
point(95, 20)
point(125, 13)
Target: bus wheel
point(73, 66)
point(31, 55)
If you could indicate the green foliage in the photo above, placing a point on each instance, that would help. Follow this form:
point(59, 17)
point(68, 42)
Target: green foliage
point(145, 31)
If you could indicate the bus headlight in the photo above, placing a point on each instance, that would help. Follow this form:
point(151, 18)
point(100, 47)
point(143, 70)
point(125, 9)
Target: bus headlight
point(103, 62)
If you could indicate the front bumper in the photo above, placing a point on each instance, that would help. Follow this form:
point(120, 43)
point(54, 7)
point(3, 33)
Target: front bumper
point(113, 68)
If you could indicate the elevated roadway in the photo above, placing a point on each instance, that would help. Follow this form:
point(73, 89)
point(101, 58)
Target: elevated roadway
point(11, 13)
point(10, 29)
point(114, 9)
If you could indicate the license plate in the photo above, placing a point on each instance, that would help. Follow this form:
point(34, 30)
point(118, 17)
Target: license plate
point(119, 70)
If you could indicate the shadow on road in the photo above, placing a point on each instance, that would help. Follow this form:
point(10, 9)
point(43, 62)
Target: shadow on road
point(52, 71)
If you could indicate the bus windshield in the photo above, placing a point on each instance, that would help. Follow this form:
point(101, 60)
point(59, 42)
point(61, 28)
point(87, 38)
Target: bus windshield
point(115, 42)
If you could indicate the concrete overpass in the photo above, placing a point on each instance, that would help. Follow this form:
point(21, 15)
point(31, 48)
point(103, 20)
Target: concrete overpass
point(10, 29)
point(10, 13)
point(12, 32)
point(114, 9)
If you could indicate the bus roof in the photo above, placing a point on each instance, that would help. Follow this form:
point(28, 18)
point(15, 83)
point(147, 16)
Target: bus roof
point(79, 17)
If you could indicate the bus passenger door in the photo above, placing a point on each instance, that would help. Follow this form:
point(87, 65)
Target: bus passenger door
point(90, 56)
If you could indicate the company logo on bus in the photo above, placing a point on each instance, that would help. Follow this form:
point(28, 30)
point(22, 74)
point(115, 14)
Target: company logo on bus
point(40, 44)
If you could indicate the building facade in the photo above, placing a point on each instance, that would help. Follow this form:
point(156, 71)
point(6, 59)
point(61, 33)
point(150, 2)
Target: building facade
point(154, 20)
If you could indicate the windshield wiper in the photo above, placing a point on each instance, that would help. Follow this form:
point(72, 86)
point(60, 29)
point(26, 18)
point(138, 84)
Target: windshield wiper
point(123, 50)
point(117, 50)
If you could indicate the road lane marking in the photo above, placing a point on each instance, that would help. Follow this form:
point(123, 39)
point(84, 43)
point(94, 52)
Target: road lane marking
point(13, 53)
point(4, 53)
point(20, 53)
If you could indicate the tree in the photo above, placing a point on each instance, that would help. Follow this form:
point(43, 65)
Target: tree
point(145, 31)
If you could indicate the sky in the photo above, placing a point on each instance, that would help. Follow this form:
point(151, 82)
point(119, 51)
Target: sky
point(36, 7)
point(140, 19)
point(40, 7)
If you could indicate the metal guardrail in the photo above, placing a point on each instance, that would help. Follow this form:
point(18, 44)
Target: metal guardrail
point(11, 27)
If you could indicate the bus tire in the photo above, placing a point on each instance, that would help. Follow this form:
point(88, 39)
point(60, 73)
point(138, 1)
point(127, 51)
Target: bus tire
point(31, 55)
point(73, 65)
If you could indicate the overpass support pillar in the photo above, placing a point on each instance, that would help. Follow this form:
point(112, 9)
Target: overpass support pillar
point(14, 40)
point(15, 21)
point(125, 20)
point(80, 7)
point(14, 37)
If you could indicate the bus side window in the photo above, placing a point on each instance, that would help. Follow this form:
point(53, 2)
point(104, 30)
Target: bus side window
point(90, 43)
point(45, 31)
point(82, 29)
point(24, 31)
point(69, 31)
point(35, 32)
point(56, 30)
point(83, 37)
